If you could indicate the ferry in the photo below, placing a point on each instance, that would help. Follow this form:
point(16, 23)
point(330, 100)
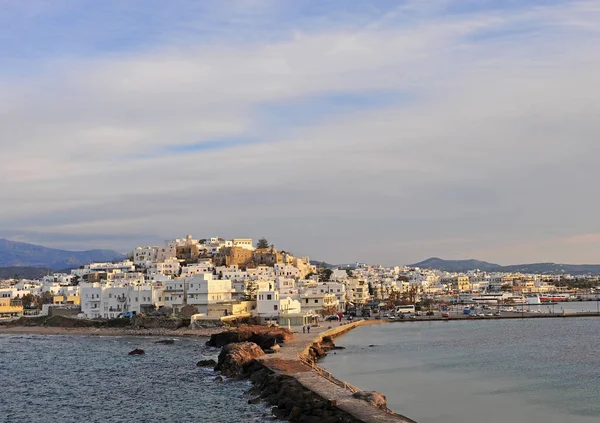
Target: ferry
point(551, 298)
point(498, 297)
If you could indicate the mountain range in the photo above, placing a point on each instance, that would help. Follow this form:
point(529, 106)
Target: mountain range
point(21, 254)
point(464, 265)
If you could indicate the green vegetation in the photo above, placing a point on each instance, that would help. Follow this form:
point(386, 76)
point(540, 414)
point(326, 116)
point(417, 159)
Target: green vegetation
point(262, 243)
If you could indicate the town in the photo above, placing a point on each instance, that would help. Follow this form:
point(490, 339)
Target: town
point(213, 280)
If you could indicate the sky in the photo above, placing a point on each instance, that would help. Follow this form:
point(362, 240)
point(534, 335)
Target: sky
point(383, 132)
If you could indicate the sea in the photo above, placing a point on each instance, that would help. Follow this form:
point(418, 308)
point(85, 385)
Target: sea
point(76, 378)
point(493, 371)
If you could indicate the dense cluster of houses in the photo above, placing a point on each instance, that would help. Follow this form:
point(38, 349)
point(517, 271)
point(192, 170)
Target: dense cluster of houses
point(214, 278)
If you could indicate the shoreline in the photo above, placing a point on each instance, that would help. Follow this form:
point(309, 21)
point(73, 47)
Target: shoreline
point(48, 330)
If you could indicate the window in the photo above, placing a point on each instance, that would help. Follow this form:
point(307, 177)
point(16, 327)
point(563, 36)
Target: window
point(275, 307)
point(316, 301)
point(268, 296)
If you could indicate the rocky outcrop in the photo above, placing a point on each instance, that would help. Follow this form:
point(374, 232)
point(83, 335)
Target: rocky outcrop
point(137, 351)
point(265, 337)
point(234, 359)
point(374, 398)
point(320, 349)
point(206, 363)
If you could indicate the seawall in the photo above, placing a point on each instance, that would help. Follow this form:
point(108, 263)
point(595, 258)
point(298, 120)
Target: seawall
point(295, 362)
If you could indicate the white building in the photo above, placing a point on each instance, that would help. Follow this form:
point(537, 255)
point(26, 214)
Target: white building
point(315, 302)
point(200, 290)
point(270, 307)
point(145, 255)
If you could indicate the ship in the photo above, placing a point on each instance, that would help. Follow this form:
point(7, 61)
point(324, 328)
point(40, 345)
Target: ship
point(498, 298)
point(552, 298)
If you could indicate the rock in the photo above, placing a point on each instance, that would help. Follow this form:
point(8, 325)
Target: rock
point(275, 348)
point(336, 347)
point(218, 379)
point(206, 363)
point(137, 351)
point(372, 346)
point(373, 398)
point(264, 337)
point(165, 341)
point(254, 400)
point(295, 413)
point(235, 357)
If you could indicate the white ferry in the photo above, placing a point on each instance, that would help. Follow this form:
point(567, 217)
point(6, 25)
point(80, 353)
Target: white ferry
point(498, 298)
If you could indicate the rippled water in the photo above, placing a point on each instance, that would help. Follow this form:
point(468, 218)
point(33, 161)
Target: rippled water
point(92, 379)
point(494, 371)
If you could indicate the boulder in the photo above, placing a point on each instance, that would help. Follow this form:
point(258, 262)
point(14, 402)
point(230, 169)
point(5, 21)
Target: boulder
point(218, 379)
point(165, 341)
point(206, 363)
point(137, 351)
point(235, 357)
point(374, 398)
point(265, 337)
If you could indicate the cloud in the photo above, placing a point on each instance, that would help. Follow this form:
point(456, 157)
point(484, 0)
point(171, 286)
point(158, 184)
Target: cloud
point(378, 136)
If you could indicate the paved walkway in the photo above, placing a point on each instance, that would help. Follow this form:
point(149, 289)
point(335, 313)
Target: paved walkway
point(287, 361)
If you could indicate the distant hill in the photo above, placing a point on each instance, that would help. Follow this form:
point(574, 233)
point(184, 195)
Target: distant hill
point(457, 265)
point(21, 254)
point(322, 263)
point(24, 272)
point(464, 265)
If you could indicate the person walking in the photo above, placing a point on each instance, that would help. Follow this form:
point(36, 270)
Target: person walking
point(303, 329)
point(308, 328)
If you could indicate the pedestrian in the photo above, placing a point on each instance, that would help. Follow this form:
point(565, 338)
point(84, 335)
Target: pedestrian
point(308, 328)
point(303, 329)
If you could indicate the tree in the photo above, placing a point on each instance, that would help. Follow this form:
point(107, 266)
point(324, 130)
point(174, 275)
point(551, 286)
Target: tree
point(371, 290)
point(324, 274)
point(349, 273)
point(45, 298)
point(28, 301)
point(75, 280)
point(262, 243)
point(328, 311)
point(251, 289)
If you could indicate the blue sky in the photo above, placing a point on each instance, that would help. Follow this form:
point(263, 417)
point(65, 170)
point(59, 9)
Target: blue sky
point(381, 131)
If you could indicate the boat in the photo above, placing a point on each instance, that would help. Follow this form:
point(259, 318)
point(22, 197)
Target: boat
point(498, 298)
point(551, 298)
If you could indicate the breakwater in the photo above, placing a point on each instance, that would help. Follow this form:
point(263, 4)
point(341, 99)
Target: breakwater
point(290, 380)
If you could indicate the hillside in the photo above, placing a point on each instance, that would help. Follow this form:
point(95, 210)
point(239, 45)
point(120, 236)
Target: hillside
point(464, 265)
point(21, 254)
point(24, 272)
point(457, 265)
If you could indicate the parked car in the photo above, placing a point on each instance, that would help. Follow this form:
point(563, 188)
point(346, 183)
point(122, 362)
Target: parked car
point(446, 315)
point(429, 313)
point(331, 318)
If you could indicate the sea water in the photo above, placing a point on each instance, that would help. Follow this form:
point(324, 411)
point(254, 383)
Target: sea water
point(493, 371)
point(58, 379)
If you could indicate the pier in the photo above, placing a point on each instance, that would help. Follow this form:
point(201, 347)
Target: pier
point(293, 360)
